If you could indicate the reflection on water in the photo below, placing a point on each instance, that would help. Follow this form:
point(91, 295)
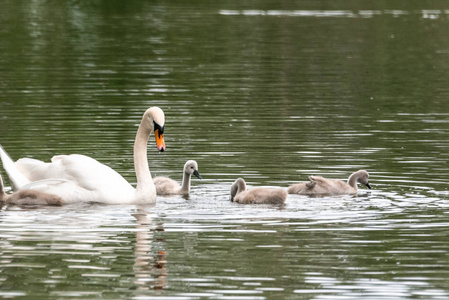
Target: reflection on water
point(425, 14)
point(146, 266)
point(61, 248)
point(271, 92)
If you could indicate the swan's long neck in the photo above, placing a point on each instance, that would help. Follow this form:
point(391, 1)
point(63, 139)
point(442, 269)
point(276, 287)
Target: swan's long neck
point(237, 187)
point(352, 180)
point(145, 186)
point(185, 188)
point(241, 186)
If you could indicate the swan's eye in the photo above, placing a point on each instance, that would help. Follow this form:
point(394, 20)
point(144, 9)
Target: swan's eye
point(159, 128)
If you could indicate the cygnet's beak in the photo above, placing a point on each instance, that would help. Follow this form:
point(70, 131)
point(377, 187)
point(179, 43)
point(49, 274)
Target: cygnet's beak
point(367, 185)
point(197, 174)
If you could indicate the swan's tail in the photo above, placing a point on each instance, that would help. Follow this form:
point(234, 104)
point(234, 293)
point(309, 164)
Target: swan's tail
point(16, 178)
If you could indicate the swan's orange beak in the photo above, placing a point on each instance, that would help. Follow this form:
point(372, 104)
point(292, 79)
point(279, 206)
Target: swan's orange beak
point(160, 143)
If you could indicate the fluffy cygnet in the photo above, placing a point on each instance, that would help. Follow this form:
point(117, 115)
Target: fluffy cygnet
point(28, 197)
point(322, 186)
point(259, 195)
point(167, 186)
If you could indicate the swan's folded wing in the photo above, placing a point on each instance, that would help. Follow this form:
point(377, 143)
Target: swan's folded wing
point(33, 169)
point(77, 178)
point(39, 183)
point(82, 170)
point(89, 173)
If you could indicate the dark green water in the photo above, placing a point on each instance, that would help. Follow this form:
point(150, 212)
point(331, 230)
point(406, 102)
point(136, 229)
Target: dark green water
point(271, 91)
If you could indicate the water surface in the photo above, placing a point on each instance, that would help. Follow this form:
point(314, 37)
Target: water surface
point(272, 92)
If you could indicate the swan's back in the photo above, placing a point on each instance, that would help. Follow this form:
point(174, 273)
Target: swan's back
point(82, 179)
point(75, 167)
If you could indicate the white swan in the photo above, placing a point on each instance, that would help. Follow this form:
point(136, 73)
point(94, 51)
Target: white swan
point(167, 186)
point(319, 185)
point(259, 195)
point(28, 197)
point(79, 178)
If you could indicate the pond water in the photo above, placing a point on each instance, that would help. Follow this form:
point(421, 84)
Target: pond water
point(271, 91)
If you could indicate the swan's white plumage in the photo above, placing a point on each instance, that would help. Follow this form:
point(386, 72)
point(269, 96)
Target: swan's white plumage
point(85, 179)
point(79, 178)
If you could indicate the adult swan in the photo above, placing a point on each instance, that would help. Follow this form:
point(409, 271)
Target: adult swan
point(79, 178)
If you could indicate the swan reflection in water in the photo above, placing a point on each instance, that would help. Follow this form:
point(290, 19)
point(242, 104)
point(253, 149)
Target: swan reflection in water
point(149, 270)
point(80, 245)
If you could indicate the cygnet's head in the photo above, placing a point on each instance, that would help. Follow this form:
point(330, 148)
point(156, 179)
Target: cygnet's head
point(362, 177)
point(191, 167)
